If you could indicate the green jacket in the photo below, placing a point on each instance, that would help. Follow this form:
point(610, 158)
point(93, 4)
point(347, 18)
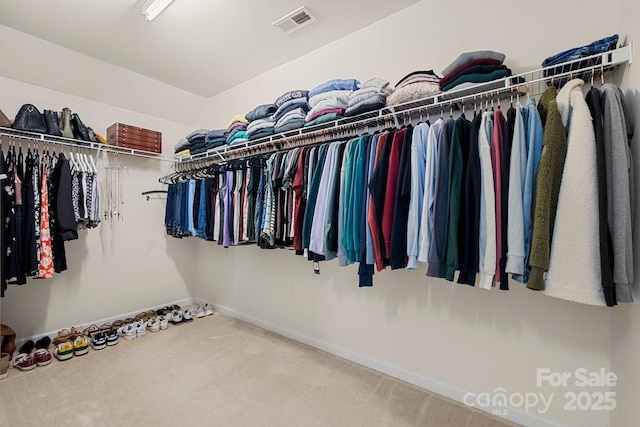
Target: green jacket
point(554, 151)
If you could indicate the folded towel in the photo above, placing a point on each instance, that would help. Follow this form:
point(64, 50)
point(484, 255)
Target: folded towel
point(260, 112)
point(336, 84)
point(470, 56)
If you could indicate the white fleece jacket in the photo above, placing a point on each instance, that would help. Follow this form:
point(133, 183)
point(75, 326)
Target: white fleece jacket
point(574, 268)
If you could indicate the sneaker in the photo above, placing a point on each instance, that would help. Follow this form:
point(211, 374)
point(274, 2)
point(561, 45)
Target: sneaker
point(43, 342)
point(24, 362)
point(98, 340)
point(141, 329)
point(153, 325)
point(63, 351)
point(42, 357)
point(175, 317)
point(27, 347)
point(112, 336)
point(197, 311)
point(187, 316)
point(128, 332)
point(80, 346)
point(163, 322)
point(208, 309)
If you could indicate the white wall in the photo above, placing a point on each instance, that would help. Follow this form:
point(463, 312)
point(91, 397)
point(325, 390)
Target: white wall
point(625, 339)
point(33, 60)
point(465, 338)
point(119, 267)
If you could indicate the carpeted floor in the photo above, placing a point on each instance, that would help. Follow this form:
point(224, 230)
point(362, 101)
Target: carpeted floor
point(223, 372)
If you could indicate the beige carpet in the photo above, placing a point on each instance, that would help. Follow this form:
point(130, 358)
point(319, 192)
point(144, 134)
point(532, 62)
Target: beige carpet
point(223, 372)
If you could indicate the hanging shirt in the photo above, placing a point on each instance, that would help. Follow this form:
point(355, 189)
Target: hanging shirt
point(517, 176)
point(487, 235)
point(419, 140)
point(430, 185)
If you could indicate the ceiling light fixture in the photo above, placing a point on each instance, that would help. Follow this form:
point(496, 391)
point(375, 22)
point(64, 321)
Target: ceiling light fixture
point(152, 8)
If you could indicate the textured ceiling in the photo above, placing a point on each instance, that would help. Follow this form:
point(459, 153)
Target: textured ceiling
point(204, 47)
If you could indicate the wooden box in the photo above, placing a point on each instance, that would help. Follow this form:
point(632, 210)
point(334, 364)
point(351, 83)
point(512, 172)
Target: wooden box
point(134, 137)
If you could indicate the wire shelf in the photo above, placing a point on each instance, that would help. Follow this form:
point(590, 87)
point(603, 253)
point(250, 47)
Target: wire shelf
point(76, 143)
point(529, 83)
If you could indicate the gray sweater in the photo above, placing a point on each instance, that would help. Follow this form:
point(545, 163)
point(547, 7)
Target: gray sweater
point(619, 188)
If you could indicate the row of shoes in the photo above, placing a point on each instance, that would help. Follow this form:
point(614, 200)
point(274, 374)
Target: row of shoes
point(76, 341)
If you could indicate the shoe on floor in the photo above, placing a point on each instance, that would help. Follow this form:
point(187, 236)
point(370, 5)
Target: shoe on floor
point(187, 316)
point(43, 342)
point(27, 347)
point(175, 317)
point(111, 336)
point(63, 351)
point(98, 340)
point(141, 329)
point(24, 362)
point(80, 346)
point(208, 309)
point(128, 332)
point(163, 322)
point(42, 357)
point(197, 311)
point(153, 325)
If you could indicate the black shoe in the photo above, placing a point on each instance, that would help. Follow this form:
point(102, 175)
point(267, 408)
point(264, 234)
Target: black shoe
point(27, 347)
point(43, 342)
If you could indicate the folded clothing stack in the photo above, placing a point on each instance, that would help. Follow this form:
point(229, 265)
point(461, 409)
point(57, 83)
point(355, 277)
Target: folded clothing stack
point(599, 46)
point(329, 100)
point(416, 85)
point(261, 122)
point(193, 143)
point(371, 95)
point(237, 129)
point(471, 68)
point(292, 108)
point(261, 128)
point(216, 138)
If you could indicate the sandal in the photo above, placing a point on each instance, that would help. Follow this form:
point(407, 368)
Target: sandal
point(90, 330)
point(142, 317)
point(117, 324)
point(76, 332)
point(63, 336)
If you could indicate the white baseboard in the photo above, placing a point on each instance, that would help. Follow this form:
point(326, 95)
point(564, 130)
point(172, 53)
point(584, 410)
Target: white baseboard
point(513, 415)
point(53, 334)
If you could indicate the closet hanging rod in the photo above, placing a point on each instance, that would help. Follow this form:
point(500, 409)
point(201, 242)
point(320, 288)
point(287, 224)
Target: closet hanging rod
point(499, 89)
point(74, 143)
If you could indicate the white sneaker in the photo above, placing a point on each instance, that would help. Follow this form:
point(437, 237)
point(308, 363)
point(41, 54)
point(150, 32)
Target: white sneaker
point(197, 311)
point(187, 316)
point(141, 329)
point(163, 322)
point(128, 332)
point(208, 309)
point(153, 324)
point(175, 317)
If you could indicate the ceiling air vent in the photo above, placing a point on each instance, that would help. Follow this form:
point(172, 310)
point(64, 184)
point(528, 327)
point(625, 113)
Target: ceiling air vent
point(294, 21)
